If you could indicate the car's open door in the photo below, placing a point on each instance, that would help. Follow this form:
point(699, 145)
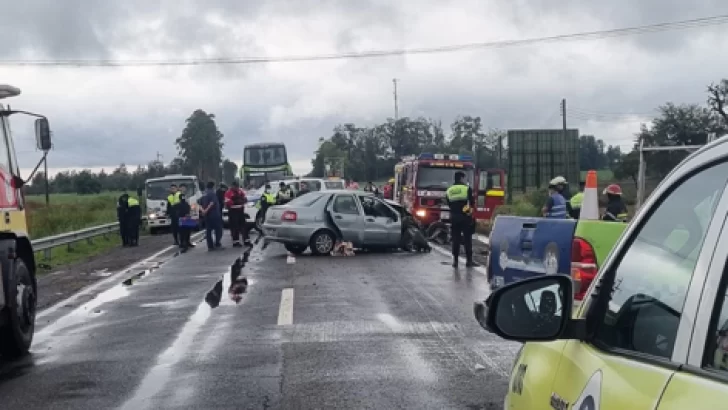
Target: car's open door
point(347, 218)
point(489, 191)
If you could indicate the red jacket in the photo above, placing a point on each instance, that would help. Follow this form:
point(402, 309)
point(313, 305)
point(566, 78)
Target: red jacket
point(235, 198)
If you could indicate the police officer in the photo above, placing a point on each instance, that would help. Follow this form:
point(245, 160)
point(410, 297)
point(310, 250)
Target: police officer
point(172, 201)
point(555, 206)
point(134, 220)
point(460, 199)
point(121, 215)
point(576, 201)
point(285, 194)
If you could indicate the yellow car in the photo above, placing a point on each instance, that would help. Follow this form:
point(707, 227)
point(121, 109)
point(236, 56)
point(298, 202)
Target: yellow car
point(652, 332)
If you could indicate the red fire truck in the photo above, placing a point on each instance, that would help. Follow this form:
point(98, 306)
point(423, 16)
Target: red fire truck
point(420, 183)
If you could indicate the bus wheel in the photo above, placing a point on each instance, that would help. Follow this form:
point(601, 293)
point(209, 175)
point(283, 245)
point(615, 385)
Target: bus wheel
point(16, 334)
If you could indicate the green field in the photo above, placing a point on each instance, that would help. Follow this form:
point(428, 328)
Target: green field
point(69, 212)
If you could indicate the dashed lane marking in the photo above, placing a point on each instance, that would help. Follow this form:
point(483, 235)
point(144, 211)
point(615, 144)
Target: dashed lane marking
point(285, 312)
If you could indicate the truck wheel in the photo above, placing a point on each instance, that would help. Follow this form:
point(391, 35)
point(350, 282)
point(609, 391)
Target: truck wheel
point(16, 334)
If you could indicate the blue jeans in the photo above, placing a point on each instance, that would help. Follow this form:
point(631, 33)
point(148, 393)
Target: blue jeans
point(213, 223)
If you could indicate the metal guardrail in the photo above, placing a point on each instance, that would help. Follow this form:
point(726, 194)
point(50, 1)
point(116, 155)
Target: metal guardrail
point(50, 242)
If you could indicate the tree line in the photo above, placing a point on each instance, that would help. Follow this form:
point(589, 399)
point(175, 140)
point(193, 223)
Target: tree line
point(199, 149)
point(370, 153)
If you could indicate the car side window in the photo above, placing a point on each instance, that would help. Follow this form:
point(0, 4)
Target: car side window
point(653, 276)
point(345, 204)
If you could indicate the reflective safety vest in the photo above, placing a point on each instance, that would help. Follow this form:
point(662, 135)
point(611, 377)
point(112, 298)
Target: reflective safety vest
point(173, 199)
point(285, 193)
point(576, 200)
point(267, 197)
point(457, 192)
point(558, 209)
point(132, 202)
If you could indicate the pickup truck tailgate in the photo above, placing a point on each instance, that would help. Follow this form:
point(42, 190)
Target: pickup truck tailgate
point(523, 247)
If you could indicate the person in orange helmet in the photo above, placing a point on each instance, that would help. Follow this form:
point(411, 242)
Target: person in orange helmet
point(616, 209)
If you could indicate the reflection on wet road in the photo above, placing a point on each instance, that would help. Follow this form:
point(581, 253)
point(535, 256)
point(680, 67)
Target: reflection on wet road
point(225, 330)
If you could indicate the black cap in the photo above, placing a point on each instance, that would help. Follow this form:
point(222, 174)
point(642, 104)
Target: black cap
point(459, 175)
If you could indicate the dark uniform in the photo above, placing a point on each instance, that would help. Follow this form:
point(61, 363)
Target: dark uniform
point(121, 208)
point(172, 201)
point(185, 231)
point(460, 199)
point(134, 221)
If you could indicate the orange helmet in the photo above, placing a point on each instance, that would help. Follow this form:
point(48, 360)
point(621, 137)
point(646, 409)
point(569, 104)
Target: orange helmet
point(613, 189)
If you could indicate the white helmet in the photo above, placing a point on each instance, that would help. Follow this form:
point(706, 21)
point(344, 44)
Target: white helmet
point(558, 181)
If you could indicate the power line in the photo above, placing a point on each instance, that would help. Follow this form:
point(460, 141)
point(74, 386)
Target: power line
point(601, 34)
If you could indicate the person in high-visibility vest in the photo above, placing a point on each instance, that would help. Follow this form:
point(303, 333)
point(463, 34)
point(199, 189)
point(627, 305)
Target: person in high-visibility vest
point(555, 206)
point(285, 194)
point(121, 215)
point(172, 201)
point(460, 199)
point(133, 221)
point(576, 201)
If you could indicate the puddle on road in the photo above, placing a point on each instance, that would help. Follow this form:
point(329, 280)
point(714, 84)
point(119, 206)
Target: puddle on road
point(93, 306)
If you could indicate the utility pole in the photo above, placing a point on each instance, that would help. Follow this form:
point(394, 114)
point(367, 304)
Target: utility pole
point(563, 119)
point(396, 106)
point(45, 176)
point(159, 156)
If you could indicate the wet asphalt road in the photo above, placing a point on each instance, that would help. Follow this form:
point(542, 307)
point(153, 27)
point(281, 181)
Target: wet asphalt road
point(373, 331)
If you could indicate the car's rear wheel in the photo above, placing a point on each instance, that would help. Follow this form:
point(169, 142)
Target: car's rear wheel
point(322, 243)
point(296, 249)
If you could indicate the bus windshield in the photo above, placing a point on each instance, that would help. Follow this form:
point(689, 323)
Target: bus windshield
point(265, 156)
point(439, 178)
point(159, 190)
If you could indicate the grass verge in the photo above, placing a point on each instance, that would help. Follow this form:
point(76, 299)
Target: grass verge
point(79, 251)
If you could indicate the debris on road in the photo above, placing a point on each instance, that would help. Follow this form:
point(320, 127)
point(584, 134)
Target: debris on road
point(343, 248)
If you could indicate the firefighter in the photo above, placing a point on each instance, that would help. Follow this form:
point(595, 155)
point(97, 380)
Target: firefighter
point(285, 194)
point(388, 189)
point(172, 200)
point(121, 215)
point(576, 201)
point(234, 201)
point(555, 206)
point(616, 209)
point(460, 199)
point(133, 221)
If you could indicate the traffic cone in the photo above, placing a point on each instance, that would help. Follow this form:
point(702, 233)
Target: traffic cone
point(590, 203)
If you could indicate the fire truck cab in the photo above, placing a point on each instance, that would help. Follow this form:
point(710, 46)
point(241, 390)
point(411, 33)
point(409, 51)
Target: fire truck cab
point(420, 183)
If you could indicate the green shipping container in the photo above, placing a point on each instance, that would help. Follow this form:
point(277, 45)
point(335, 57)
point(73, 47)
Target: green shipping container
point(537, 156)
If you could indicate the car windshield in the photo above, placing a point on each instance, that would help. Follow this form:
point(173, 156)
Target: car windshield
point(159, 190)
point(265, 156)
point(439, 178)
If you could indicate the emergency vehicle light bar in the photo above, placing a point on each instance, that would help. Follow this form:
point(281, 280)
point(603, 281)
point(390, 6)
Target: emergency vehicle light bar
point(453, 157)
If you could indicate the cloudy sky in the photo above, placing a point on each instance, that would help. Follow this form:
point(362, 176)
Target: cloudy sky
point(104, 116)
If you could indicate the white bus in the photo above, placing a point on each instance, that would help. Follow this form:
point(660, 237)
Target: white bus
point(157, 191)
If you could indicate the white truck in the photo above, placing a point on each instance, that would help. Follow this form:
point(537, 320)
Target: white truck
point(157, 191)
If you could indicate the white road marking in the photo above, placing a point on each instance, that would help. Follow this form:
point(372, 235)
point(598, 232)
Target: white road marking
point(462, 260)
point(111, 279)
point(285, 312)
point(158, 377)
